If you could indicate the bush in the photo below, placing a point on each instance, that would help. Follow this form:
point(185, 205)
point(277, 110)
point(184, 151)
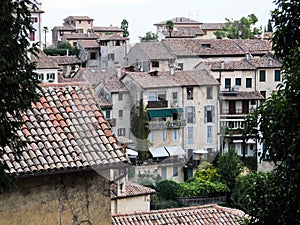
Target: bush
point(167, 189)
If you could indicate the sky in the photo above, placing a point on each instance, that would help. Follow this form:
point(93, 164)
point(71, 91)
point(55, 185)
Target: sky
point(142, 14)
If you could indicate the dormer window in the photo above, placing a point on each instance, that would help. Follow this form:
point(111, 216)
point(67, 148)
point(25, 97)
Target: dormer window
point(205, 46)
point(50, 77)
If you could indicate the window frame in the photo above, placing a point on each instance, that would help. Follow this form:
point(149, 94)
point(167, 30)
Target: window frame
point(262, 75)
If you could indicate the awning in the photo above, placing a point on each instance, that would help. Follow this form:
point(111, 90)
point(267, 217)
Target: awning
point(200, 151)
point(132, 152)
point(177, 110)
point(159, 113)
point(175, 150)
point(251, 141)
point(159, 152)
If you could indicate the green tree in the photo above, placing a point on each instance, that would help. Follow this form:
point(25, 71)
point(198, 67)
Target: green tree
point(229, 166)
point(278, 121)
point(239, 29)
point(63, 48)
point(150, 36)
point(124, 27)
point(17, 82)
point(206, 171)
point(170, 26)
point(140, 130)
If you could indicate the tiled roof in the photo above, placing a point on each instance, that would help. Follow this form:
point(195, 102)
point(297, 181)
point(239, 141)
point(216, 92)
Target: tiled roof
point(206, 215)
point(115, 36)
point(180, 20)
point(79, 18)
point(95, 75)
point(241, 95)
point(107, 29)
point(184, 32)
point(254, 46)
point(178, 79)
point(80, 36)
point(203, 47)
point(43, 61)
point(154, 50)
point(265, 62)
point(65, 60)
point(65, 130)
point(64, 28)
point(132, 189)
point(89, 43)
point(212, 26)
point(114, 85)
point(230, 65)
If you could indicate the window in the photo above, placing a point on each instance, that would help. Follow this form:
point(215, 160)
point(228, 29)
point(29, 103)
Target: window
point(34, 19)
point(120, 97)
point(32, 36)
point(121, 113)
point(40, 76)
point(190, 135)
point(209, 136)
point(227, 83)
point(209, 111)
point(180, 65)
point(79, 21)
point(50, 77)
point(174, 98)
point(157, 96)
point(107, 114)
point(175, 135)
point(175, 171)
point(161, 95)
point(248, 82)
point(151, 136)
point(152, 96)
point(163, 172)
point(121, 132)
point(262, 75)
point(155, 64)
point(164, 135)
point(209, 91)
point(190, 114)
point(93, 55)
point(238, 81)
point(189, 92)
point(277, 75)
point(253, 102)
point(111, 56)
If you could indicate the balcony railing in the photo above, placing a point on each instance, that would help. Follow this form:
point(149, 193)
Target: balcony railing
point(170, 124)
point(158, 104)
point(232, 127)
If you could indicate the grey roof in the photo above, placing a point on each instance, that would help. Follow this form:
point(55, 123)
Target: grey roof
point(79, 18)
point(43, 61)
point(212, 26)
point(241, 95)
point(254, 46)
point(154, 50)
point(89, 43)
point(265, 62)
point(107, 29)
point(65, 60)
point(230, 65)
point(180, 20)
point(80, 36)
point(184, 32)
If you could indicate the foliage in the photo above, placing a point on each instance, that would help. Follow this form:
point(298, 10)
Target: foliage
point(124, 27)
point(150, 36)
point(229, 166)
point(257, 189)
point(206, 171)
point(170, 26)
point(159, 203)
point(17, 82)
point(239, 29)
point(198, 187)
point(62, 49)
point(140, 130)
point(278, 121)
point(250, 162)
point(167, 189)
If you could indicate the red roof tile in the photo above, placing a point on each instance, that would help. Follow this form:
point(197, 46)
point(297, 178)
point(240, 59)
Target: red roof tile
point(205, 214)
point(59, 139)
point(132, 189)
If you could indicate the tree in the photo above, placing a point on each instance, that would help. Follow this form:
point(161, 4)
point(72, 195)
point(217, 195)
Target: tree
point(170, 26)
point(17, 80)
point(229, 166)
point(124, 27)
point(278, 121)
point(140, 130)
point(63, 48)
point(150, 36)
point(239, 29)
point(46, 30)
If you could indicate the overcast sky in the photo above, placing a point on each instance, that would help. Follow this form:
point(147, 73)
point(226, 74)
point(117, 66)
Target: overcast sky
point(142, 14)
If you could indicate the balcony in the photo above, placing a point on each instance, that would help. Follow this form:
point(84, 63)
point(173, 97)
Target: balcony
point(169, 124)
point(232, 127)
point(158, 104)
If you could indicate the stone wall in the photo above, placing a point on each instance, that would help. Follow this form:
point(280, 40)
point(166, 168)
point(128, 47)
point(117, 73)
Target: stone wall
point(64, 199)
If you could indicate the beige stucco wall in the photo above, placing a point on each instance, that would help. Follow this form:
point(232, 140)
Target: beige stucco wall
point(131, 204)
point(81, 198)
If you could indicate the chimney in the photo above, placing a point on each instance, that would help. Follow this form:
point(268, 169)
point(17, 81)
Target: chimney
point(118, 69)
point(172, 70)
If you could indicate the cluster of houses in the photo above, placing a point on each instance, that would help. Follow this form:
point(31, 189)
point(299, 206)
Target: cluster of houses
point(197, 91)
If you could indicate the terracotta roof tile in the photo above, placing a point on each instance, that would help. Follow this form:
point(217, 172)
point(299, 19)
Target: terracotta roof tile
point(131, 189)
point(55, 141)
point(206, 214)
